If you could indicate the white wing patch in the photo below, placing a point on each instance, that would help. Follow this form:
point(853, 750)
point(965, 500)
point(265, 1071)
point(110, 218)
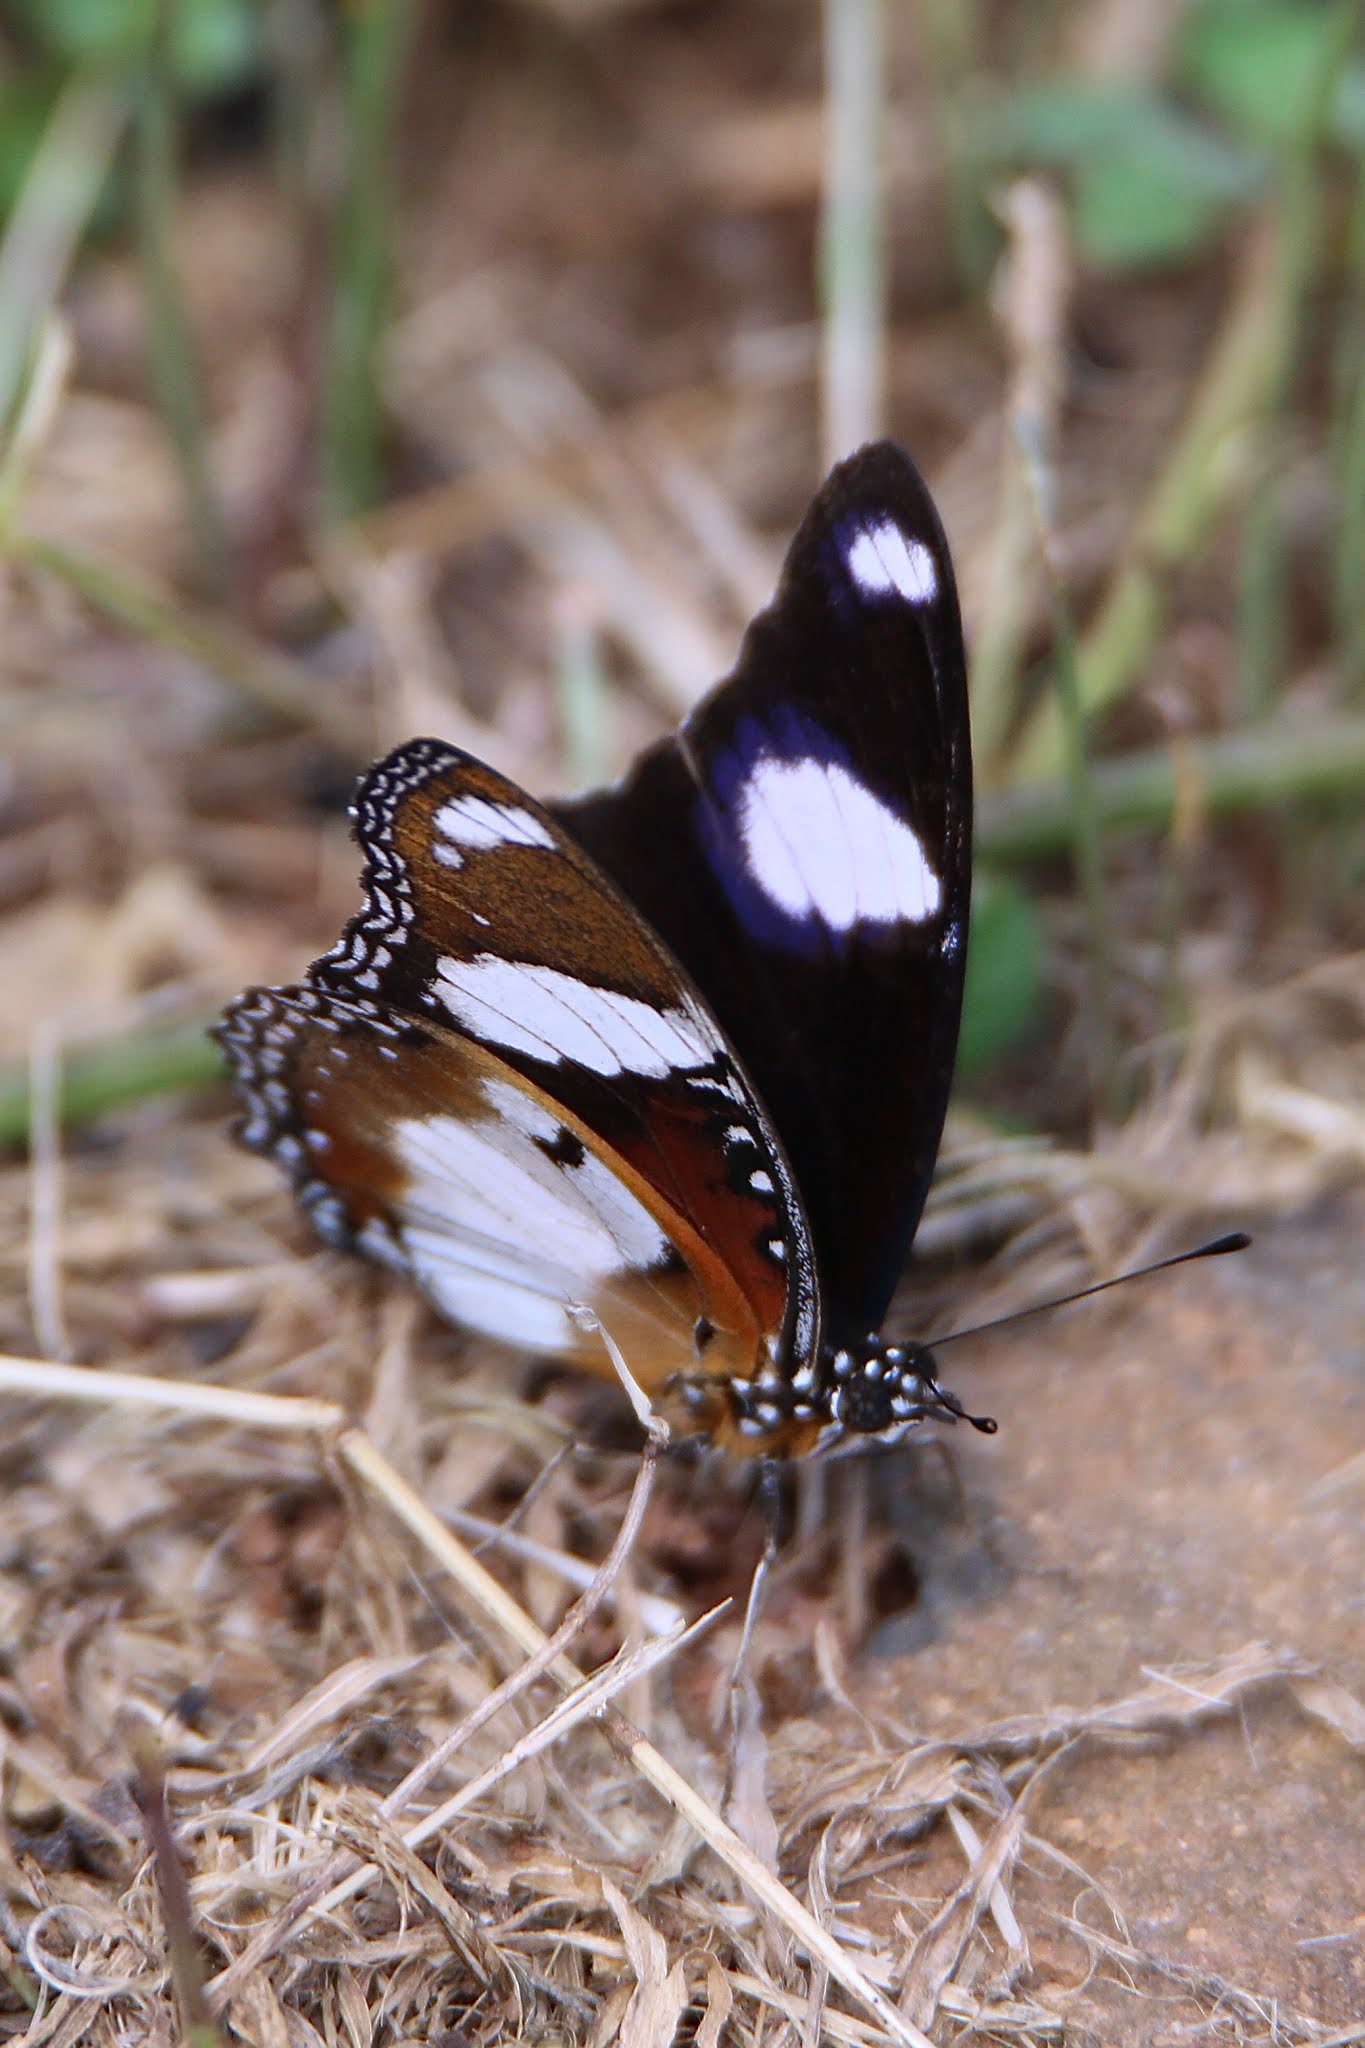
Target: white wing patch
point(501, 1297)
point(821, 845)
point(550, 1015)
point(882, 562)
point(505, 1238)
point(473, 824)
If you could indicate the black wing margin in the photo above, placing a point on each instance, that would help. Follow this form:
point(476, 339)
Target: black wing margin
point(803, 844)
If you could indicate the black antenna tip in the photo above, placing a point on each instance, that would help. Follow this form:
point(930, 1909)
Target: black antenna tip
point(955, 1411)
point(1232, 1241)
point(1235, 1241)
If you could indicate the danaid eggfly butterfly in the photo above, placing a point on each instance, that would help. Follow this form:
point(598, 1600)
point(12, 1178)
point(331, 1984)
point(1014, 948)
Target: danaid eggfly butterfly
point(671, 1060)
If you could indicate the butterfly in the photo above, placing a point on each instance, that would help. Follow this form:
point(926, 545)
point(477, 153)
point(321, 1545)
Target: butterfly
point(669, 1061)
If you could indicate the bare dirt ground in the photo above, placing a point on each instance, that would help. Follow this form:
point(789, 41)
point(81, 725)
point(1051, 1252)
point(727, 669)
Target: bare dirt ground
point(1177, 1477)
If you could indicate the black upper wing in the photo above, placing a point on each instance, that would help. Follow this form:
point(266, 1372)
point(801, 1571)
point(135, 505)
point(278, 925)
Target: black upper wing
point(803, 844)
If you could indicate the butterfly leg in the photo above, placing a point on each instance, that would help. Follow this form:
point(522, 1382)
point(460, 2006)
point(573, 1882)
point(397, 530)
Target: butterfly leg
point(742, 1703)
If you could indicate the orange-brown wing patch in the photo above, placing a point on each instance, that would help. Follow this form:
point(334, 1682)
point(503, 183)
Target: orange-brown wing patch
point(483, 918)
point(437, 1158)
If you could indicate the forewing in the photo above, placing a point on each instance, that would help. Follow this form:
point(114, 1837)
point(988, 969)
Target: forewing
point(501, 1080)
point(803, 845)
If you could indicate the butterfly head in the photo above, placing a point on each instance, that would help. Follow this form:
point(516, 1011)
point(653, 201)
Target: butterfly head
point(870, 1389)
point(880, 1389)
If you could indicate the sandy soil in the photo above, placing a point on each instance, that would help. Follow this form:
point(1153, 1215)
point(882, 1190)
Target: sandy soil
point(1174, 1478)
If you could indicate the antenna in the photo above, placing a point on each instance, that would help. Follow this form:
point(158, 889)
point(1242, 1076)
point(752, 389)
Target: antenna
point(1234, 1241)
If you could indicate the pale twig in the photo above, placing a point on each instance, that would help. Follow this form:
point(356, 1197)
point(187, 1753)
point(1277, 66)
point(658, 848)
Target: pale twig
point(657, 1615)
point(45, 1196)
point(760, 1883)
point(852, 227)
point(38, 409)
point(586, 1702)
point(41, 1380)
point(1031, 297)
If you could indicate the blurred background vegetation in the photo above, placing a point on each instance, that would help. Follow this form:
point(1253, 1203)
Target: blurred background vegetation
point(374, 367)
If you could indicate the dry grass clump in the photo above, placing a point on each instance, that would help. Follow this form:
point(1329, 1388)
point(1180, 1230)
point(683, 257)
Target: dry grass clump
point(231, 1583)
point(379, 1831)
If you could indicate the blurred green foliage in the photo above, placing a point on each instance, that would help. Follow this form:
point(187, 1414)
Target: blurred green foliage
point(215, 46)
point(1150, 183)
point(1253, 94)
point(1004, 971)
point(1257, 62)
point(1157, 170)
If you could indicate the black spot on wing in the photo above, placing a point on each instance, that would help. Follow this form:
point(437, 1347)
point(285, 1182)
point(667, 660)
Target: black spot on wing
point(566, 1148)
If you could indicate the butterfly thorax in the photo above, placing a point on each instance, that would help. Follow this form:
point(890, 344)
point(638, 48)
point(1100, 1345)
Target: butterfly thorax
point(853, 1392)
